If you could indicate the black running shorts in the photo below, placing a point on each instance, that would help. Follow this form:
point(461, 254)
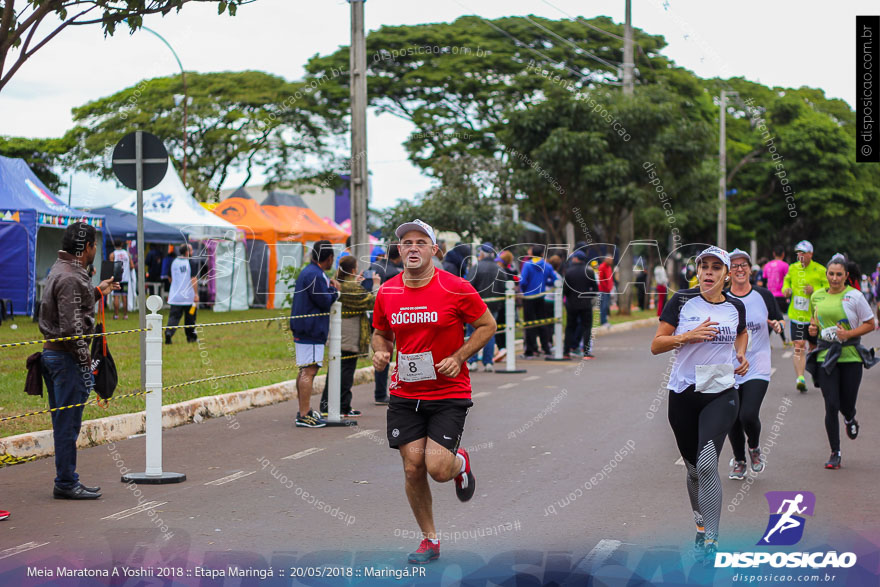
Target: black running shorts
point(441, 420)
point(800, 331)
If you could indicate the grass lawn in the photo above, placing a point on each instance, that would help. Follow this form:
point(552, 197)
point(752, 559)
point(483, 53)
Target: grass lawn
point(225, 349)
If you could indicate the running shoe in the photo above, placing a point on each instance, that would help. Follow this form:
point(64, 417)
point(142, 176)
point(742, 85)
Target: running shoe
point(310, 420)
point(500, 355)
point(699, 544)
point(737, 470)
point(474, 367)
point(490, 368)
point(427, 552)
point(348, 414)
point(4, 514)
point(801, 384)
point(465, 485)
point(833, 461)
point(588, 356)
point(709, 552)
point(852, 428)
point(756, 459)
point(382, 401)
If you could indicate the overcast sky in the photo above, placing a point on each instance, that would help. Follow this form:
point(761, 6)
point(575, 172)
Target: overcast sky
point(788, 43)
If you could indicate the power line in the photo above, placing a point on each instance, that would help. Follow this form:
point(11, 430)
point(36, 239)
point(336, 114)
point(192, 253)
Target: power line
point(535, 51)
point(584, 21)
point(575, 45)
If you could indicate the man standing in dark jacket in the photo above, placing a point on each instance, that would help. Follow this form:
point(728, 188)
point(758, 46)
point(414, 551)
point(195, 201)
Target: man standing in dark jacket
point(314, 294)
point(579, 288)
point(486, 278)
point(385, 269)
point(456, 260)
point(67, 308)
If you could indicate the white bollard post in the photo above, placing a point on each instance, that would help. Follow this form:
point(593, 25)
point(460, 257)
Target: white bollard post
point(153, 474)
point(558, 339)
point(510, 330)
point(334, 369)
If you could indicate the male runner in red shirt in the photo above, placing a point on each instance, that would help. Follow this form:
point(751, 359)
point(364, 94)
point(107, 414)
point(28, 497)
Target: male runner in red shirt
point(424, 310)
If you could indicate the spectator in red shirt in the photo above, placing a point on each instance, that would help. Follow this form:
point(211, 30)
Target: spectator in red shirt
point(606, 284)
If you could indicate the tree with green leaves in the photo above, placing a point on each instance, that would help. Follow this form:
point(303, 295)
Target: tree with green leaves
point(457, 82)
point(20, 20)
point(791, 160)
point(593, 150)
point(466, 201)
point(42, 156)
point(236, 121)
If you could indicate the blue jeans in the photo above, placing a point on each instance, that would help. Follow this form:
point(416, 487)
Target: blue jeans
point(604, 306)
point(488, 350)
point(67, 384)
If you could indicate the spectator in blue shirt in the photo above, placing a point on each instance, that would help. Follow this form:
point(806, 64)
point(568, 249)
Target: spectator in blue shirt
point(537, 275)
point(314, 294)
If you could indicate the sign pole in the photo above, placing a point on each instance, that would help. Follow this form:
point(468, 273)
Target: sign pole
point(141, 272)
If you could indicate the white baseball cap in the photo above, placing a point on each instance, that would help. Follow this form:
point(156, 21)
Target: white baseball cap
point(416, 225)
point(715, 252)
point(804, 247)
point(740, 253)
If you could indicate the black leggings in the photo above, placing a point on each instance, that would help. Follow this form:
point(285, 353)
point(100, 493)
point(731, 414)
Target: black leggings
point(748, 423)
point(700, 421)
point(840, 388)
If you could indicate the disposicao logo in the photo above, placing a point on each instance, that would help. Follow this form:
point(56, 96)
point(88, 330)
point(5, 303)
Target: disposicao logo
point(785, 528)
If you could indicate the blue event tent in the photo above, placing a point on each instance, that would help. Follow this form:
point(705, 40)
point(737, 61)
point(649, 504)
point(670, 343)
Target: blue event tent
point(120, 225)
point(32, 223)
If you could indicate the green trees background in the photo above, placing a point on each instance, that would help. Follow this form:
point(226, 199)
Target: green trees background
point(525, 112)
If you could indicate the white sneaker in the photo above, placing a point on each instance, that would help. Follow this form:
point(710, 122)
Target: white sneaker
point(490, 368)
point(474, 367)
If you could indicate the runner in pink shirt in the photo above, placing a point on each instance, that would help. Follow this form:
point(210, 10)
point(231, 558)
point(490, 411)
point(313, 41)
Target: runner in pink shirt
point(774, 273)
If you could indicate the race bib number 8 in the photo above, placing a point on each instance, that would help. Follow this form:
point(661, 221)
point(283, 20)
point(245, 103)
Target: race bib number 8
point(415, 367)
point(801, 303)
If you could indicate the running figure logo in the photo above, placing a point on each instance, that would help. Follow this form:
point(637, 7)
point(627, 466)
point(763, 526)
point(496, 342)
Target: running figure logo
point(786, 526)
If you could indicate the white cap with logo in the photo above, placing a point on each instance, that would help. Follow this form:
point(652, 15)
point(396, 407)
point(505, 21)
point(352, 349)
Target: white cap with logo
point(804, 247)
point(715, 252)
point(416, 225)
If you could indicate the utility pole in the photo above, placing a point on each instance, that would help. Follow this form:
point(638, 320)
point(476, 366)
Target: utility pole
point(359, 178)
point(722, 180)
point(627, 229)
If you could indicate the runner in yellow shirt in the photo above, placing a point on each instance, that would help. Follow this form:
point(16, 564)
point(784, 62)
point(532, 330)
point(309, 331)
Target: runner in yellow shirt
point(803, 278)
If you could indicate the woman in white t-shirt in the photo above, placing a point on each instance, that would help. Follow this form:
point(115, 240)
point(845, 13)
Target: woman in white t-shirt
point(761, 312)
point(707, 329)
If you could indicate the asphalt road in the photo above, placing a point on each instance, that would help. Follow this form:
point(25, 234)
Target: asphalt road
point(577, 475)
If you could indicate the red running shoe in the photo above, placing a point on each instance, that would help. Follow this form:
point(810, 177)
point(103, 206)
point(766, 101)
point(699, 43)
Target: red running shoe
point(427, 552)
point(464, 482)
point(4, 514)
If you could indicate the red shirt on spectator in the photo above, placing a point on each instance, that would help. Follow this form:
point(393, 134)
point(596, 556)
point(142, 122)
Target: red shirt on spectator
point(606, 281)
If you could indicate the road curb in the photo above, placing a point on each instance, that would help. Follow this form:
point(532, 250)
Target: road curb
point(121, 426)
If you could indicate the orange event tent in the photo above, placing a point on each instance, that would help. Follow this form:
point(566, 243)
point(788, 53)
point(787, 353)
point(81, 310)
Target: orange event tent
point(263, 233)
point(303, 224)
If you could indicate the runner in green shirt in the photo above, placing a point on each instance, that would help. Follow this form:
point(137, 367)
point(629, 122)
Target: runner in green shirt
point(803, 278)
point(841, 315)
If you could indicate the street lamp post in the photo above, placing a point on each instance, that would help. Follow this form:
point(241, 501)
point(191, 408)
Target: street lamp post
point(185, 96)
point(722, 180)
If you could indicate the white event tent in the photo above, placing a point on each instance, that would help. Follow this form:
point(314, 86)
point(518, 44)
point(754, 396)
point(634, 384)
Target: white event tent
point(222, 242)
